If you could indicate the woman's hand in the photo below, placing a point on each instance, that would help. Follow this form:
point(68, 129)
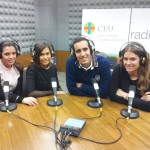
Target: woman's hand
point(146, 96)
point(60, 92)
point(30, 101)
point(121, 93)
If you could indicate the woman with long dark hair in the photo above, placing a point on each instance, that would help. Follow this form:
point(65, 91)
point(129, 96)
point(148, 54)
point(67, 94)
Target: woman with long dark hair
point(11, 71)
point(39, 73)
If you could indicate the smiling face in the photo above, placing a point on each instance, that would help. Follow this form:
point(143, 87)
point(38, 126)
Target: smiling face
point(131, 62)
point(8, 56)
point(45, 58)
point(82, 53)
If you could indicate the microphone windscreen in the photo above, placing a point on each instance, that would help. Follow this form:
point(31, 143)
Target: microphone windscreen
point(132, 89)
point(6, 86)
point(53, 82)
point(95, 84)
point(93, 80)
point(53, 79)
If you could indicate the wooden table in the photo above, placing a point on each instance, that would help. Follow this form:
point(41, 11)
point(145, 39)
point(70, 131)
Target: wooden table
point(17, 134)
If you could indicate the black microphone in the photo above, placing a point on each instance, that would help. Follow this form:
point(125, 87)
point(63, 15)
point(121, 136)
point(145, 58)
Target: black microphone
point(97, 103)
point(7, 105)
point(55, 101)
point(130, 112)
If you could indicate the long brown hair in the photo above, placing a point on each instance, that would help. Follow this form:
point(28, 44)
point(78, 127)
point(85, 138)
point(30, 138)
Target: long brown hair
point(144, 69)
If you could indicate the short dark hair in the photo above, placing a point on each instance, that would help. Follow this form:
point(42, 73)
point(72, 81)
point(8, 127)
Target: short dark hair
point(76, 40)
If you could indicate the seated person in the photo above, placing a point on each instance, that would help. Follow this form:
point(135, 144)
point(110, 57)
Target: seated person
point(133, 69)
point(85, 65)
point(39, 73)
point(11, 71)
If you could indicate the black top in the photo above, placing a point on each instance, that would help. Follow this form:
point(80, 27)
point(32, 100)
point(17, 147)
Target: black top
point(120, 80)
point(39, 79)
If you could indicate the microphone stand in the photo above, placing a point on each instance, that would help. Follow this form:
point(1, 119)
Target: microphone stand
point(132, 115)
point(95, 103)
point(54, 102)
point(11, 106)
point(129, 112)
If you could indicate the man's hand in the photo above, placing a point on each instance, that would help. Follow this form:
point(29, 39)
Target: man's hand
point(78, 85)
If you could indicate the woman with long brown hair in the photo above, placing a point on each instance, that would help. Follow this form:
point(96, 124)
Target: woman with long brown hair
point(133, 69)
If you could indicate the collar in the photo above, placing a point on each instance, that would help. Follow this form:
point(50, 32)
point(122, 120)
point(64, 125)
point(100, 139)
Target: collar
point(93, 64)
point(3, 66)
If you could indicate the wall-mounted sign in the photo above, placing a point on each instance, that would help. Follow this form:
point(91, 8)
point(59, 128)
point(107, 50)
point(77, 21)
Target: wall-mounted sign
point(111, 28)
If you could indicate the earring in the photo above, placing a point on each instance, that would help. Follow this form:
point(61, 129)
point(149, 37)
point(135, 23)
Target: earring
point(143, 60)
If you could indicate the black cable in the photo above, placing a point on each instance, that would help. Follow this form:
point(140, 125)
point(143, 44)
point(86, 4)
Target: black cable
point(62, 138)
point(100, 114)
point(55, 117)
point(32, 123)
point(55, 125)
point(63, 144)
point(107, 142)
point(63, 141)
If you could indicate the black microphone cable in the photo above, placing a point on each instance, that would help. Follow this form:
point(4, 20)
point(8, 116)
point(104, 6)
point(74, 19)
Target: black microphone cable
point(63, 137)
point(60, 141)
point(38, 125)
point(100, 114)
point(55, 118)
point(63, 141)
point(112, 142)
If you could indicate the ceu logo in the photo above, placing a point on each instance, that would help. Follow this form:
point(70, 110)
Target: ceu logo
point(89, 28)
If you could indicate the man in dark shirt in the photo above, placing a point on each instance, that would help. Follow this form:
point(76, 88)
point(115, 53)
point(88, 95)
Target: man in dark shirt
point(85, 65)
